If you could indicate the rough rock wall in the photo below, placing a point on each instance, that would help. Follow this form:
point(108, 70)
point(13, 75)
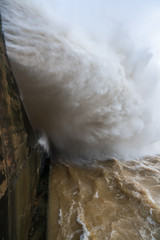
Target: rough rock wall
point(19, 157)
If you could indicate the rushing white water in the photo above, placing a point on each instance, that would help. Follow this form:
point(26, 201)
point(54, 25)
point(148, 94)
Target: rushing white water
point(91, 84)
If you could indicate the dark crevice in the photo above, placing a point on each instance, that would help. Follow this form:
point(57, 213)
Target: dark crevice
point(39, 220)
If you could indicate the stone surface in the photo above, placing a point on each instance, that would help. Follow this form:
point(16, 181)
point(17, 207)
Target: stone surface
point(20, 158)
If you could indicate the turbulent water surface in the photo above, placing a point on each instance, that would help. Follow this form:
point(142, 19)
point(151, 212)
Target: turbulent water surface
point(89, 76)
point(92, 97)
point(108, 201)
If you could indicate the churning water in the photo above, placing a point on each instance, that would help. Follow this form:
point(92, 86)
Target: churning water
point(94, 93)
point(111, 200)
point(89, 76)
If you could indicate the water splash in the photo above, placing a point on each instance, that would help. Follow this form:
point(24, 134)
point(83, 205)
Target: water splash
point(93, 92)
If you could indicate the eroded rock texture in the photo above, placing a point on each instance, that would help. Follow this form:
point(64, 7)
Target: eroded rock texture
point(19, 157)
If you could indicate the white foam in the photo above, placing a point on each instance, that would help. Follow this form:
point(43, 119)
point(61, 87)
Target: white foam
point(85, 233)
point(93, 97)
point(60, 217)
point(96, 195)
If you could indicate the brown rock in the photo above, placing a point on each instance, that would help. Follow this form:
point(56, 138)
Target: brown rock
point(19, 157)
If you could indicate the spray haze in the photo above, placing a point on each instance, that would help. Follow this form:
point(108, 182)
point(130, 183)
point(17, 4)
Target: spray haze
point(88, 73)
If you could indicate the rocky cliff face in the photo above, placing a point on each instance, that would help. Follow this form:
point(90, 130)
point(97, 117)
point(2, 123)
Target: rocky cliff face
point(19, 157)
